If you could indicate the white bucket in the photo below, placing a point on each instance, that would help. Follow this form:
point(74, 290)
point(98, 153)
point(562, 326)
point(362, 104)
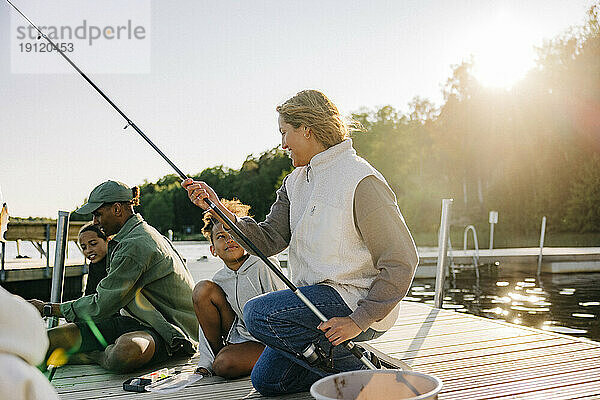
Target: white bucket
point(380, 384)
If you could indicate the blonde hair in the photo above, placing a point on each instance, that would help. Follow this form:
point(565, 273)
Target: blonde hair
point(135, 191)
point(235, 206)
point(314, 110)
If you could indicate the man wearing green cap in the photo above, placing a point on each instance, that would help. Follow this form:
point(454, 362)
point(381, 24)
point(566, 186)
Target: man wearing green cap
point(147, 282)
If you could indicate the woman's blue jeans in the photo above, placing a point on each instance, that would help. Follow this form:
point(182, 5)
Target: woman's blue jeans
point(286, 325)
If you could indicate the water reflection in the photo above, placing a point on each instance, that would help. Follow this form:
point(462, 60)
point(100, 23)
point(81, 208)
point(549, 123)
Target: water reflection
point(563, 303)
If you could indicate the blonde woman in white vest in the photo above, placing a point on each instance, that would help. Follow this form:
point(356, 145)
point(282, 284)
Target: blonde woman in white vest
point(350, 251)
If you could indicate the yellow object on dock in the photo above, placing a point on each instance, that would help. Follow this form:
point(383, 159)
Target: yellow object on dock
point(476, 358)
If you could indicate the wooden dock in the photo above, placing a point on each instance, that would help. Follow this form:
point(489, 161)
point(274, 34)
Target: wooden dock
point(555, 260)
point(39, 231)
point(476, 358)
point(28, 269)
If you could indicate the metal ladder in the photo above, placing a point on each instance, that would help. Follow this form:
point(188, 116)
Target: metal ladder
point(476, 242)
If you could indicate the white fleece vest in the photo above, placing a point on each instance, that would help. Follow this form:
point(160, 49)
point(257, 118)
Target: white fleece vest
point(325, 246)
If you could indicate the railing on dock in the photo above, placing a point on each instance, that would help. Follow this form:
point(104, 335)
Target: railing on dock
point(476, 243)
point(38, 232)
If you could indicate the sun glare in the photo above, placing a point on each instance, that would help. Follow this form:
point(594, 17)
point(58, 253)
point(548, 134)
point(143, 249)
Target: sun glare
point(504, 52)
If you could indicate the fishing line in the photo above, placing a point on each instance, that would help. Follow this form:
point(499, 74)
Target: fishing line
point(356, 351)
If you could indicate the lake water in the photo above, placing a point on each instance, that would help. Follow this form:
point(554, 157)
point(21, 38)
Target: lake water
point(563, 303)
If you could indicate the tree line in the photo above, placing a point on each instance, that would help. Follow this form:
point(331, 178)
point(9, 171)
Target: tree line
point(165, 205)
point(527, 151)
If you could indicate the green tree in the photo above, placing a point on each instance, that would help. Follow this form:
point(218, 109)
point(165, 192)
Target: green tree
point(583, 205)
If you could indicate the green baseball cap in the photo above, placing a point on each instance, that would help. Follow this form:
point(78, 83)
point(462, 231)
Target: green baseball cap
point(106, 192)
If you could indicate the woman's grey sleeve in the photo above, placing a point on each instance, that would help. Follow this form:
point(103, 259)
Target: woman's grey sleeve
point(392, 248)
point(273, 234)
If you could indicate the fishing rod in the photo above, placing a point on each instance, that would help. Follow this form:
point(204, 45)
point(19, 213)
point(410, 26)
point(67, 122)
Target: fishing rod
point(130, 123)
point(312, 352)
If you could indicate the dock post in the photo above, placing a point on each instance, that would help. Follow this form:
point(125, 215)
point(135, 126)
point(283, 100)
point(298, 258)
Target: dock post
point(493, 221)
point(442, 253)
point(47, 271)
point(542, 235)
point(58, 272)
point(3, 272)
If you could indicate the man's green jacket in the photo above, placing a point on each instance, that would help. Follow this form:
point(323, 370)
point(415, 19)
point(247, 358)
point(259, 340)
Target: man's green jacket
point(149, 280)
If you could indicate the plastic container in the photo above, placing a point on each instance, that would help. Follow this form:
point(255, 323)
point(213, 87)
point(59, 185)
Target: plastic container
point(381, 384)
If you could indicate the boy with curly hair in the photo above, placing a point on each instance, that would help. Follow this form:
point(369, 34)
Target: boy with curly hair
point(225, 346)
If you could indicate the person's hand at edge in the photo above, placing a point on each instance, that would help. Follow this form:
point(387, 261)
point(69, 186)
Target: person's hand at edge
point(198, 191)
point(40, 307)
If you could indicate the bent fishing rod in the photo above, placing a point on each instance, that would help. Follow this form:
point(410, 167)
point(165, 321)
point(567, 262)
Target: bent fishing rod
point(309, 352)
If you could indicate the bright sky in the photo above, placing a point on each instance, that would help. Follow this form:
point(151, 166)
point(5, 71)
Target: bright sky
point(219, 68)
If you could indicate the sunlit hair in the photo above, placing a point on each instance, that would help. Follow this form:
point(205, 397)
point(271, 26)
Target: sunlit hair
point(235, 206)
point(91, 227)
point(135, 191)
point(314, 110)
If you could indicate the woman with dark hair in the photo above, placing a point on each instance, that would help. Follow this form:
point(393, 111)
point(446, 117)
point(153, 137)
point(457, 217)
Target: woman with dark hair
point(94, 244)
point(350, 251)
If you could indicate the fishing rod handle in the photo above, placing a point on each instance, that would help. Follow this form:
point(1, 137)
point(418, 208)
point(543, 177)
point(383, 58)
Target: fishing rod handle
point(352, 348)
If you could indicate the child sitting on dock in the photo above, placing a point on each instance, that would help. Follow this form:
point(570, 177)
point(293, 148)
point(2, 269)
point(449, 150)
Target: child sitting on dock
point(225, 346)
point(94, 245)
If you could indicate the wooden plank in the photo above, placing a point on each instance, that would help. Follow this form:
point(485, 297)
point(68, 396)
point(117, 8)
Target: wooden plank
point(588, 390)
point(482, 370)
point(446, 322)
point(419, 359)
point(483, 321)
point(475, 357)
point(453, 364)
point(449, 348)
point(397, 344)
point(71, 371)
point(489, 351)
point(523, 387)
point(417, 319)
point(520, 374)
point(114, 389)
point(207, 388)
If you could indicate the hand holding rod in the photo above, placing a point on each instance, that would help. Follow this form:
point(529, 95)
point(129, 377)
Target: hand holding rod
point(349, 344)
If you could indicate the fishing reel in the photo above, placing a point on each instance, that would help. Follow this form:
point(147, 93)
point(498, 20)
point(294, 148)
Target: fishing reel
point(315, 356)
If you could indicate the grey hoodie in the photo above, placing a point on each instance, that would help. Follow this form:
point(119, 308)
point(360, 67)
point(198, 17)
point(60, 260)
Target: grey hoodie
point(252, 279)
